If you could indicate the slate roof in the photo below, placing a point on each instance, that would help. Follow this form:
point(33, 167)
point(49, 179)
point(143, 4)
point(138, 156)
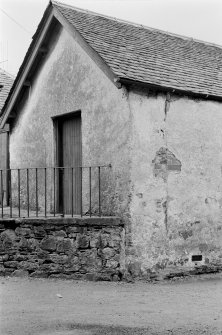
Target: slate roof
point(6, 81)
point(151, 56)
point(138, 54)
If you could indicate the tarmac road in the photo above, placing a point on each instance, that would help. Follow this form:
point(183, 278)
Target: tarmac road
point(46, 307)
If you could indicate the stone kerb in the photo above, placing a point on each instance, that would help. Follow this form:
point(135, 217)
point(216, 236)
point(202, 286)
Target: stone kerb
point(75, 248)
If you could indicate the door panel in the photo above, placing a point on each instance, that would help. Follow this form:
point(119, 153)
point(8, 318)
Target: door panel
point(3, 166)
point(70, 156)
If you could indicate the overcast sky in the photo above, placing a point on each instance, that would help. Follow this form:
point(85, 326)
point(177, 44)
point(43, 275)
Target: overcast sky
point(201, 19)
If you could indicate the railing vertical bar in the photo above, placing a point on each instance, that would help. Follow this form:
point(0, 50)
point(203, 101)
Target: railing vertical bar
point(81, 191)
point(10, 178)
point(54, 191)
point(63, 195)
point(45, 194)
point(99, 191)
point(72, 188)
point(27, 177)
point(2, 194)
point(19, 191)
point(90, 191)
point(36, 193)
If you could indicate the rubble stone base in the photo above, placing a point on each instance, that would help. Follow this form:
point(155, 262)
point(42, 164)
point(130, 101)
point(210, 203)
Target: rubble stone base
point(75, 248)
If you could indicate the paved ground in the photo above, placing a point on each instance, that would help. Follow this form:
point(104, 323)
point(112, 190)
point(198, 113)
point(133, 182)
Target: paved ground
point(46, 307)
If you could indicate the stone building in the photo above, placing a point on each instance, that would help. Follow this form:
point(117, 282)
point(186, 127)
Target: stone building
point(144, 106)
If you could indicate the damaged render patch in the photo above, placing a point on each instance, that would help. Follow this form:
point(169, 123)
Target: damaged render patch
point(165, 161)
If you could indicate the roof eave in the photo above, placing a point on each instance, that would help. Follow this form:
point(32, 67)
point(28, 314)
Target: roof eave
point(131, 82)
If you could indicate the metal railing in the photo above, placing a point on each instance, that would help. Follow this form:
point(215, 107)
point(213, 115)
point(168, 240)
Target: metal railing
point(53, 191)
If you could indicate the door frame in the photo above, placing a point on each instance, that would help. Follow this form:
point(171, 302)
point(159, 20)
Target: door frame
point(6, 132)
point(57, 155)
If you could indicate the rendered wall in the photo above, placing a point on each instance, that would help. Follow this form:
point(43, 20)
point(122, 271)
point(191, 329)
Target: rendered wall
point(69, 80)
point(176, 208)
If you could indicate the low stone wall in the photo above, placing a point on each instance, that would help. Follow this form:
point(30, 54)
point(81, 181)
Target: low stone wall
point(75, 248)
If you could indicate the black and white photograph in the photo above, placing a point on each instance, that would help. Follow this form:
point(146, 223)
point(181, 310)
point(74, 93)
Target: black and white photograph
point(110, 167)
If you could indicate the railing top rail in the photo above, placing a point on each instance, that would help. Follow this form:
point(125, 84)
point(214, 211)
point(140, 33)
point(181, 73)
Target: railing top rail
point(58, 167)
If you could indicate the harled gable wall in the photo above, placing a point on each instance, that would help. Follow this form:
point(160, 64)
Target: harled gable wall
point(69, 80)
point(176, 208)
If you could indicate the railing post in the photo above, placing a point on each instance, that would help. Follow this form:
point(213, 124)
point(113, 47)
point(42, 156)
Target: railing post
point(19, 191)
point(63, 202)
point(27, 178)
point(72, 188)
point(2, 194)
point(45, 194)
point(10, 178)
point(99, 191)
point(90, 191)
point(54, 191)
point(81, 191)
point(36, 193)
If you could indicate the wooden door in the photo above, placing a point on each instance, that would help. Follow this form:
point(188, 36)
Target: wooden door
point(4, 165)
point(70, 156)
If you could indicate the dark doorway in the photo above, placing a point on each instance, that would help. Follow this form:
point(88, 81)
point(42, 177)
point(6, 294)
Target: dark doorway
point(69, 156)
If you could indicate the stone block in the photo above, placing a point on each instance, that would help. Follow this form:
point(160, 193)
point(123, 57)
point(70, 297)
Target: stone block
point(64, 246)
point(42, 254)
point(91, 260)
point(26, 232)
point(39, 232)
point(108, 252)
point(2, 248)
point(82, 242)
point(20, 258)
point(115, 278)
point(48, 243)
point(71, 230)
point(20, 273)
point(134, 268)
point(60, 259)
point(23, 244)
point(104, 240)
point(4, 258)
point(33, 243)
point(9, 235)
point(11, 264)
point(8, 271)
point(29, 266)
point(71, 268)
point(112, 264)
point(51, 268)
point(60, 234)
point(94, 241)
point(104, 277)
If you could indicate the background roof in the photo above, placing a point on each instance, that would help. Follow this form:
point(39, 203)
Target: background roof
point(6, 80)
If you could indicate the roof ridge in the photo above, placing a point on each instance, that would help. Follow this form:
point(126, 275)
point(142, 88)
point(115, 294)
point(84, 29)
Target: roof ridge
point(136, 24)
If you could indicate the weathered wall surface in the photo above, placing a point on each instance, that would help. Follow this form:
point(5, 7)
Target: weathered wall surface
point(176, 184)
point(90, 249)
point(68, 81)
